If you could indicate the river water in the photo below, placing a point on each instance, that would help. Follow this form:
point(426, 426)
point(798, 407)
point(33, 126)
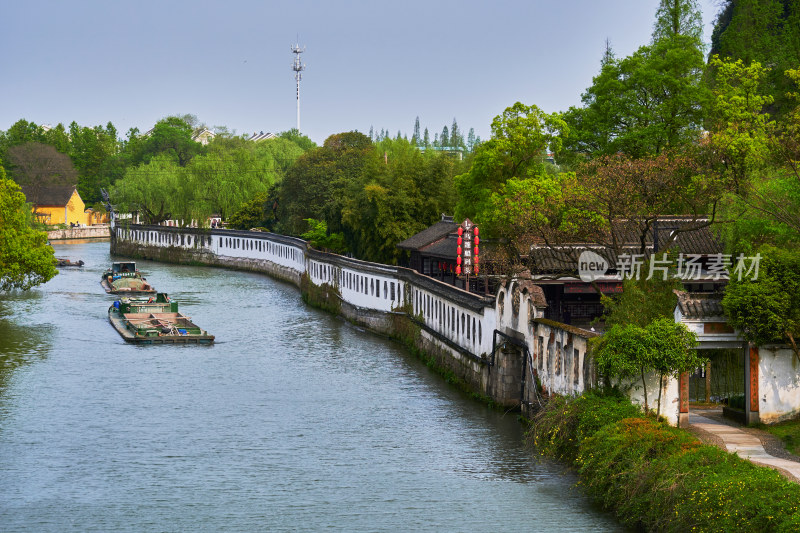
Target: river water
point(294, 420)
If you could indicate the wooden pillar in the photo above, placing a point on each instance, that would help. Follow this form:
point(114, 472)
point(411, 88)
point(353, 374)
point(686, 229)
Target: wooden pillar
point(683, 413)
point(708, 382)
point(751, 386)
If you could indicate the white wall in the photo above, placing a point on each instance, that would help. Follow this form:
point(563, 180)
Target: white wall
point(778, 384)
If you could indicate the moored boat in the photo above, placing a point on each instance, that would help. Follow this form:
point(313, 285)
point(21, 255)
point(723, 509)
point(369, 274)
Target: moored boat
point(64, 262)
point(155, 321)
point(124, 278)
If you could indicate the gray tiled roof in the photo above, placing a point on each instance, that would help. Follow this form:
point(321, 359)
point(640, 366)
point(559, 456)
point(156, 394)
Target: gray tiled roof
point(49, 196)
point(430, 235)
point(700, 305)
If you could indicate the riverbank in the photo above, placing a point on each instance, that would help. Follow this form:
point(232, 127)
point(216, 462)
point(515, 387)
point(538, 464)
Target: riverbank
point(659, 478)
point(98, 231)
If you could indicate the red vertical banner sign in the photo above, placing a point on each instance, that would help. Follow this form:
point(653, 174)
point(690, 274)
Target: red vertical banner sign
point(467, 251)
point(754, 379)
point(476, 241)
point(683, 383)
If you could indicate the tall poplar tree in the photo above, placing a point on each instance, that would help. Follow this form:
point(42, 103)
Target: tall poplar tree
point(444, 138)
point(456, 139)
point(415, 139)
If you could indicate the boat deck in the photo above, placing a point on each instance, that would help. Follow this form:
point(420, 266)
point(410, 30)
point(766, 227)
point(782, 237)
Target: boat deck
point(158, 328)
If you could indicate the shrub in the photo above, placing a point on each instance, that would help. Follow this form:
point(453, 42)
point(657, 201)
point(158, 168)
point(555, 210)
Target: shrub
point(659, 478)
point(559, 428)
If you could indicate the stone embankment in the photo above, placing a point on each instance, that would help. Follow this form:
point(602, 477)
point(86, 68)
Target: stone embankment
point(98, 231)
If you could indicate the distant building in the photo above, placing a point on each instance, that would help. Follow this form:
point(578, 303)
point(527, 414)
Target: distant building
point(261, 136)
point(455, 151)
point(203, 135)
point(61, 205)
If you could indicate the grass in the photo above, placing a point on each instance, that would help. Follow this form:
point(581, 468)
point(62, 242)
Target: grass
point(788, 432)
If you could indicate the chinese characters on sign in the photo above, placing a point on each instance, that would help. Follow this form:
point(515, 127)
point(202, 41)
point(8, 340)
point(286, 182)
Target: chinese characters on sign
point(467, 251)
point(689, 267)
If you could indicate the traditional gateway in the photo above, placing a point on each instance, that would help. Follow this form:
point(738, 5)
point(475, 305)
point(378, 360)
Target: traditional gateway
point(155, 320)
point(501, 345)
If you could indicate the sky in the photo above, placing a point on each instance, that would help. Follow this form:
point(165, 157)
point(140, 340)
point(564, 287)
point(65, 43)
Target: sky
point(369, 63)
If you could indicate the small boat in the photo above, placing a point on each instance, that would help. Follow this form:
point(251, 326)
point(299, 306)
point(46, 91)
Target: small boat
point(155, 320)
point(124, 278)
point(63, 262)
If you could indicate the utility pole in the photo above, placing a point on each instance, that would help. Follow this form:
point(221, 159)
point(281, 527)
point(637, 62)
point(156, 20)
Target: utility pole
point(298, 68)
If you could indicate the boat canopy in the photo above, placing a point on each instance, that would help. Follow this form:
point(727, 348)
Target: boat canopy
point(120, 267)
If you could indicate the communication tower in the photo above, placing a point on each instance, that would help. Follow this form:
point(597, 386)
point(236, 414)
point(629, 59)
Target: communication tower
point(298, 68)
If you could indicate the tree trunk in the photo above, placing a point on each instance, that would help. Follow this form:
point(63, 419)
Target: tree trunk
point(660, 386)
point(794, 345)
point(644, 385)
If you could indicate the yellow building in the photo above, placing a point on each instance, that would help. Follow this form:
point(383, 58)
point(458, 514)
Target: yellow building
point(60, 205)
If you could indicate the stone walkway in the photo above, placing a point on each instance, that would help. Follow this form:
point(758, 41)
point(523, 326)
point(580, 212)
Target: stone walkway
point(744, 444)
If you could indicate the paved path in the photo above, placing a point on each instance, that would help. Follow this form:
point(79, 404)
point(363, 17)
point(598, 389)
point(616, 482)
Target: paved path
point(745, 445)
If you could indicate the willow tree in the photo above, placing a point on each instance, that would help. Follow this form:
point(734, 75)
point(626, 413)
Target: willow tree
point(223, 181)
point(154, 190)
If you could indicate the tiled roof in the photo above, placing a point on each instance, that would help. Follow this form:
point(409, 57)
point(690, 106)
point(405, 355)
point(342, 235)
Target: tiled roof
point(49, 196)
point(703, 240)
point(439, 241)
point(429, 236)
point(700, 305)
point(261, 136)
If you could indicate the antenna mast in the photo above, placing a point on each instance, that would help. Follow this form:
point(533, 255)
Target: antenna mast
point(298, 68)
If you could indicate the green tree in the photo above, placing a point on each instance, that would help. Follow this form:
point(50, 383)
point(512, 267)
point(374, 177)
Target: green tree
point(456, 138)
point(632, 351)
point(223, 180)
point(25, 258)
point(649, 101)
point(298, 138)
point(319, 237)
point(739, 129)
point(260, 212)
point(521, 137)
point(642, 301)
point(20, 132)
point(444, 138)
point(767, 309)
point(416, 139)
point(678, 17)
point(314, 187)
point(91, 150)
point(763, 31)
point(172, 137)
point(151, 189)
point(58, 138)
point(471, 140)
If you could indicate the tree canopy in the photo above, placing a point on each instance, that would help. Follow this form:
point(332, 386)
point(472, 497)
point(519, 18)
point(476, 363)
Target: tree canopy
point(649, 101)
point(767, 309)
point(632, 351)
point(25, 258)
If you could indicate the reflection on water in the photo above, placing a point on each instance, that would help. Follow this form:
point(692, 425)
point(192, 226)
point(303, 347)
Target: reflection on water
point(294, 421)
